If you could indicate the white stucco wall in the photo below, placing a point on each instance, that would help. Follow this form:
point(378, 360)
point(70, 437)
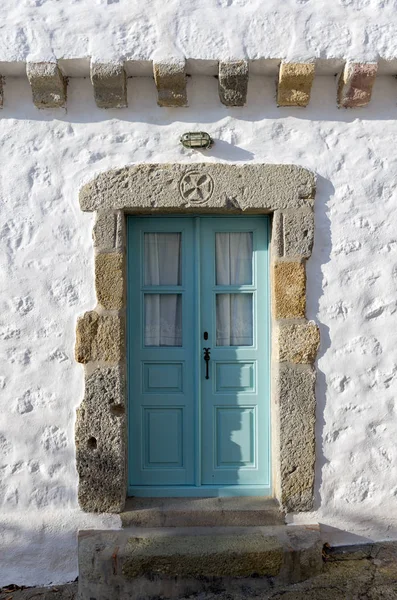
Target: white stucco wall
point(205, 29)
point(46, 262)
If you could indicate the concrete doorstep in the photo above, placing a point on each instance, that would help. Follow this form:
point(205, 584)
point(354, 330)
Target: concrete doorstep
point(146, 563)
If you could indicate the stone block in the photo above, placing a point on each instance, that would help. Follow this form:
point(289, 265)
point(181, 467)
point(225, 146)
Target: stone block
point(99, 338)
point(289, 287)
point(297, 416)
point(224, 188)
point(298, 343)
point(47, 83)
point(110, 85)
point(298, 232)
point(209, 556)
point(1, 91)
point(355, 84)
point(295, 84)
point(170, 79)
point(233, 82)
point(104, 232)
point(101, 442)
point(109, 280)
point(307, 546)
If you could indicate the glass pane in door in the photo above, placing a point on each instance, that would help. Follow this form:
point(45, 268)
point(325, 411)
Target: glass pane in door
point(234, 322)
point(233, 258)
point(163, 258)
point(163, 319)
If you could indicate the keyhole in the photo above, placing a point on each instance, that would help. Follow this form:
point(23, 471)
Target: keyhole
point(206, 335)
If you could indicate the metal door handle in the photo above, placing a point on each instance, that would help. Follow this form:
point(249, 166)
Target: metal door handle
point(207, 359)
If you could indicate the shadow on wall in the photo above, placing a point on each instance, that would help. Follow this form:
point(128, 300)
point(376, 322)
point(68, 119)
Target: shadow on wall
point(204, 106)
point(320, 256)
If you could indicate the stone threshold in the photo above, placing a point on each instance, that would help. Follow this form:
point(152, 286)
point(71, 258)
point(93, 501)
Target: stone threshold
point(173, 562)
point(202, 512)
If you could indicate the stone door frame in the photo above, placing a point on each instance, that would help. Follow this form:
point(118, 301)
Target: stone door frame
point(284, 191)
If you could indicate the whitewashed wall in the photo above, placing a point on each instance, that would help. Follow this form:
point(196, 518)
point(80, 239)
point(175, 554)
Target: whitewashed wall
point(46, 262)
point(206, 29)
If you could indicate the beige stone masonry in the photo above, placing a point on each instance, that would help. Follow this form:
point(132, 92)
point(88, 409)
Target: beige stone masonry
point(284, 191)
point(289, 286)
point(99, 338)
point(170, 79)
point(110, 85)
point(47, 83)
point(295, 84)
point(298, 343)
point(109, 280)
point(355, 84)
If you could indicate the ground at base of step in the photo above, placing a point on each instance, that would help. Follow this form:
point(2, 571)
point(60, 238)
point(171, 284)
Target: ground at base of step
point(308, 590)
point(59, 592)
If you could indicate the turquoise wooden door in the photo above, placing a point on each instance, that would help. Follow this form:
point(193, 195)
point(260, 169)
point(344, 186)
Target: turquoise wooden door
point(198, 356)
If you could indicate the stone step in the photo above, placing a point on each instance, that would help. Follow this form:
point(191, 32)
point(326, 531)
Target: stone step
point(147, 563)
point(201, 512)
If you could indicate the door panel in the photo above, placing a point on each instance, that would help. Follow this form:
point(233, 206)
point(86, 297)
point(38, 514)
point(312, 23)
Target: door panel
point(189, 435)
point(160, 350)
point(235, 398)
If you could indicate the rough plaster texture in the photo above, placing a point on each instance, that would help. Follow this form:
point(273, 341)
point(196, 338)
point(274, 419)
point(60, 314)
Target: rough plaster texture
point(47, 261)
point(215, 29)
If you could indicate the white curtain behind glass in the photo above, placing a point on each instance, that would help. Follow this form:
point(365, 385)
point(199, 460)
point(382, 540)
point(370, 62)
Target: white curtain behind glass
point(233, 258)
point(163, 312)
point(234, 325)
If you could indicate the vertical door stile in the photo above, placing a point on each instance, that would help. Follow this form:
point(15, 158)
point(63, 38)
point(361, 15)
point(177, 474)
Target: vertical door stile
point(197, 345)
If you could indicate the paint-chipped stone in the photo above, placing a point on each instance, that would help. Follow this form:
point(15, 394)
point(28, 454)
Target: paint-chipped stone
point(298, 343)
point(99, 338)
point(355, 84)
point(48, 84)
point(110, 85)
point(101, 442)
point(295, 84)
point(109, 279)
point(170, 79)
point(297, 415)
point(289, 290)
point(233, 82)
point(209, 556)
point(225, 188)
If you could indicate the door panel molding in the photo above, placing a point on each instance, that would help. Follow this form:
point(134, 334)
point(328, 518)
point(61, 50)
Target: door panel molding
point(284, 191)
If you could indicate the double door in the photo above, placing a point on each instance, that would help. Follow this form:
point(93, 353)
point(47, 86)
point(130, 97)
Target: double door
point(198, 356)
